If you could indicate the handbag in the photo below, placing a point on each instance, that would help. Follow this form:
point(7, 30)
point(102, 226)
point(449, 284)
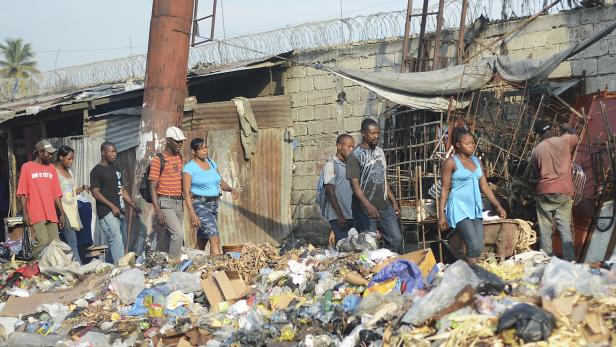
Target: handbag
point(26, 253)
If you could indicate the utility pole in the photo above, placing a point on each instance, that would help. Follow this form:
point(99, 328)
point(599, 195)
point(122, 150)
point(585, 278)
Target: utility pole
point(165, 77)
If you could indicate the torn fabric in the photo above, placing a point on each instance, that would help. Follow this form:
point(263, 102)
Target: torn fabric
point(450, 81)
point(248, 126)
point(429, 90)
point(535, 70)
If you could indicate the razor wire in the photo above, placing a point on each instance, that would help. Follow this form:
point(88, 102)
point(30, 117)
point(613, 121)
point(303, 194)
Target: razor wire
point(309, 36)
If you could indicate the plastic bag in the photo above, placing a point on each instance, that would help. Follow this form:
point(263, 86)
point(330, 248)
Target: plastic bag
point(489, 283)
point(128, 285)
point(351, 303)
point(289, 244)
point(184, 281)
point(5, 253)
point(326, 282)
point(358, 243)
point(530, 322)
point(26, 253)
point(455, 278)
point(407, 272)
point(560, 275)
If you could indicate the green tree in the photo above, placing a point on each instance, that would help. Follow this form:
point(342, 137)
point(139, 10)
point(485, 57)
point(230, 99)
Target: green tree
point(17, 60)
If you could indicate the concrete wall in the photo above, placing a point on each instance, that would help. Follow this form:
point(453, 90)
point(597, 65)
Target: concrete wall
point(550, 34)
point(320, 114)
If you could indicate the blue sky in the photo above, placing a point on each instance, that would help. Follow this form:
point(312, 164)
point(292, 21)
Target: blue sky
point(86, 31)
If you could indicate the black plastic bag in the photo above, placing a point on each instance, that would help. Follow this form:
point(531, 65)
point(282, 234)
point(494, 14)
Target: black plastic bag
point(530, 322)
point(26, 253)
point(5, 253)
point(290, 244)
point(489, 283)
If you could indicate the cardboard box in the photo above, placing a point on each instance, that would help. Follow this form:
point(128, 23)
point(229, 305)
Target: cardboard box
point(424, 259)
point(224, 286)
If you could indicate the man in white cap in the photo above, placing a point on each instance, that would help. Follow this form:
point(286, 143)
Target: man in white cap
point(40, 193)
point(165, 180)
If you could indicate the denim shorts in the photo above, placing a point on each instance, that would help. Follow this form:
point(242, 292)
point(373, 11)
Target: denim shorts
point(207, 211)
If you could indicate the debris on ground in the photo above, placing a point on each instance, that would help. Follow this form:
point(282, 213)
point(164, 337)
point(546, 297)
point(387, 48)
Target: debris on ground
point(306, 296)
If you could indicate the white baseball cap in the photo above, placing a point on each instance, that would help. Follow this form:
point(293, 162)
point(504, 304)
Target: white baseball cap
point(175, 133)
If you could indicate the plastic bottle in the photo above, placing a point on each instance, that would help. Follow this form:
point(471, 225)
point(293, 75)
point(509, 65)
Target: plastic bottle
point(327, 300)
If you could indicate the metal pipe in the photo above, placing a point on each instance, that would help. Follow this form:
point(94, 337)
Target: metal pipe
point(436, 64)
point(462, 32)
point(165, 77)
point(407, 39)
point(418, 66)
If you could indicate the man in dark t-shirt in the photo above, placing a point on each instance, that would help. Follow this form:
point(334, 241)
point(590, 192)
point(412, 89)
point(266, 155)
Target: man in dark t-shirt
point(107, 187)
point(374, 205)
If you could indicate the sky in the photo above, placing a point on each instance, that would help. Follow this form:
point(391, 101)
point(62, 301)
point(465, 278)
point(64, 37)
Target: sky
point(73, 32)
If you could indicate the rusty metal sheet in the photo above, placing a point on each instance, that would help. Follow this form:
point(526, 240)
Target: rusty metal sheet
point(270, 112)
point(262, 213)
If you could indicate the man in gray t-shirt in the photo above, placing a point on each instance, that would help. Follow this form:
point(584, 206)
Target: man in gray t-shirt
point(374, 205)
point(338, 190)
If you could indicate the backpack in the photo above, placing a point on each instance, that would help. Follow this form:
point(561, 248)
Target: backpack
point(144, 185)
point(321, 198)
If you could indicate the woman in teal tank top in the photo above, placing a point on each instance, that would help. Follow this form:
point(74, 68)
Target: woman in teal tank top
point(460, 206)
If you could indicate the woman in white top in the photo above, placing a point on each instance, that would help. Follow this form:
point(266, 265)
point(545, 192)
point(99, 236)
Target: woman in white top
point(63, 164)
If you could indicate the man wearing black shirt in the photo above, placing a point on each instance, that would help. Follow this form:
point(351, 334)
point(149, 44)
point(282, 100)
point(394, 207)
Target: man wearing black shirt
point(107, 187)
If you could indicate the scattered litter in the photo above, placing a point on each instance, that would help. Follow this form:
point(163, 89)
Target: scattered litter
point(306, 296)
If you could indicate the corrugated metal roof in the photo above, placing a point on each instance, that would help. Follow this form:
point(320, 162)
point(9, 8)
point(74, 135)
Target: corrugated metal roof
point(35, 105)
point(121, 129)
point(269, 111)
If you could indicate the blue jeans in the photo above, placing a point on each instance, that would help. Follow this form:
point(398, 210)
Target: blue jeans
point(69, 235)
point(207, 211)
point(471, 231)
point(113, 233)
point(340, 232)
point(387, 224)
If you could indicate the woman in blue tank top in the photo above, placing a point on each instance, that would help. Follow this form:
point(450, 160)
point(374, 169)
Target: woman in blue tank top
point(463, 182)
point(202, 185)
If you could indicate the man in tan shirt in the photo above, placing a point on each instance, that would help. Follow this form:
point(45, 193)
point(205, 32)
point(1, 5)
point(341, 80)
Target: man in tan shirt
point(552, 164)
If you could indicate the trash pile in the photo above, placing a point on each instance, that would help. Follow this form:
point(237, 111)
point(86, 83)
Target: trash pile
point(299, 295)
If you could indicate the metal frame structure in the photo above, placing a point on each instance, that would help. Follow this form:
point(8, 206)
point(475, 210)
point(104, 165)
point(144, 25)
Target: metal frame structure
point(195, 27)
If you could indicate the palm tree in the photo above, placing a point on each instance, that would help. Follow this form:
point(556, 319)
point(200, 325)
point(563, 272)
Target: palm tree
point(17, 59)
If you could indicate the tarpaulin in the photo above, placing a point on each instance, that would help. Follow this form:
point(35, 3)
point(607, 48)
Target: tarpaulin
point(430, 90)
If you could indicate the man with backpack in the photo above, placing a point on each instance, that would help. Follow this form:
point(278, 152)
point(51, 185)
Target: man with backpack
point(107, 187)
point(165, 178)
point(335, 192)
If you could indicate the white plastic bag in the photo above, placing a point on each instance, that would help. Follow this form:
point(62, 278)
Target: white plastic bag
point(560, 275)
point(128, 285)
point(185, 281)
point(455, 278)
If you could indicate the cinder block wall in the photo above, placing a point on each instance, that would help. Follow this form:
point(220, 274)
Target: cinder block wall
point(320, 112)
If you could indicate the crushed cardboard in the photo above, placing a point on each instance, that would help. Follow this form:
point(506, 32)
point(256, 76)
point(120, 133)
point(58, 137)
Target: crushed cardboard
point(224, 286)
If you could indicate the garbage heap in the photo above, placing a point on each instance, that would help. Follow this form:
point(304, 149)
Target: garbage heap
point(299, 295)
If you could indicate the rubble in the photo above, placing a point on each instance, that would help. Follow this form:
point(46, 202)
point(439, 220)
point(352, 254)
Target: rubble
point(307, 296)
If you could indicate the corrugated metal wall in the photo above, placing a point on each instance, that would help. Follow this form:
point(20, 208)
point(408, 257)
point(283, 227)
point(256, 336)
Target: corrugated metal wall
point(121, 129)
point(263, 211)
point(87, 155)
